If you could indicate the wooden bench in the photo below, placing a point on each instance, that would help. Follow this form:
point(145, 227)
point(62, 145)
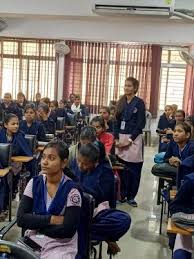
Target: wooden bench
point(5, 171)
point(21, 159)
point(173, 229)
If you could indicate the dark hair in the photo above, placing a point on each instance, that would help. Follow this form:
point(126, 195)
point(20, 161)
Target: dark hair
point(90, 151)
point(107, 109)
point(8, 94)
point(55, 103)
point(100, 120)
point(88, 132)
point(21, 94)
point(30, 106)
point(184, 126)
point(9, 116)
point(122, 100)
point(181, 111)
point(190, 119)
point(44, 107)
point(46, 100)
point(60, 146)
point(77, 96)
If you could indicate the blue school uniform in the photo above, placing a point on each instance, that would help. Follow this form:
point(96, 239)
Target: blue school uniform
point(12, 108)
point(185, 168)
point(19, 145)
point(35, 129)
point(165, 123)
point(109, 224)
point(49, 126)
point(184, 200)
point(131, 121)
point(173, 150)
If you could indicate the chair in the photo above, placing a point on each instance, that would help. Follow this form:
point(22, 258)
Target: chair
point(18, 251)
point(60, 123)
point(31, 140)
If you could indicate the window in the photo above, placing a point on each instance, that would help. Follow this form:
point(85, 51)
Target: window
point(173, 71)
point(28, 66)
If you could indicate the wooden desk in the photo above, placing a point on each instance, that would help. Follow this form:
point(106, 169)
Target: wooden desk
point(173, 229)
point(60, 131)
point(21, 159)
point(5, 171)
point(118, 167)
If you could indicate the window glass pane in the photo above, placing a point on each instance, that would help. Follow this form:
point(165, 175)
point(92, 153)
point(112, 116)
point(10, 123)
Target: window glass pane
point(10, 47)
point(30, 49)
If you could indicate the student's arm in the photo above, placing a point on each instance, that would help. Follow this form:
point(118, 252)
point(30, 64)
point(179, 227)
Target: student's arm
point(71, 218)
point(41, 133)
point(169, 153)
point(141, 120)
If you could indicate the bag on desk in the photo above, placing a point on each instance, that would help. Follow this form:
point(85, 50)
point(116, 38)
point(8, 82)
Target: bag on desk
point(164, 170)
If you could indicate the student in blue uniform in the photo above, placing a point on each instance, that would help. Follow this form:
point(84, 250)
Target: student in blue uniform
point(109, 122)
point(97, 179)
point(37, 100)
point(182, 147)
point(11, 134)
point(131, 120)
point(9, 106)
point(51, 206)
point(185, 168)
point(21, 102)
point(184, 202)
point(166, 120)
point(53, 110)
point(30, 125)
point(48, 123)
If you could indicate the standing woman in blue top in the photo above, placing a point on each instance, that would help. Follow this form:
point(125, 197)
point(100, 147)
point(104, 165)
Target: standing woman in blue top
point(30, 125)
point(48, 123)
point(130, 118)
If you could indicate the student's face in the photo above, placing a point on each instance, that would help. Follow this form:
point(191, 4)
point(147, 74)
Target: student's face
point(51, 164)
point(168, 111)
point(13, 125)
point(105, 115)
point(72, 98)
point(129, 88)
point(52, 107)
point(38, 97)
point(180, 135)
point(179, 117)
point(85, 164)
point(20, 98)
point(98, 128)
point(112, 112)
point(41, 113)
point(7, 98)
point(61, 105)
point(77, 101)
point(30, 115)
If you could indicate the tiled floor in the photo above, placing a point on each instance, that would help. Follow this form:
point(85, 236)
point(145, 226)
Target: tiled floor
point(143, 240)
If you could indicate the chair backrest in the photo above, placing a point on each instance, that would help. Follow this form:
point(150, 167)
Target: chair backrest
point(84, 232)
point(31, 140)
point(17, 251)
point(60, 123)
point(5, 157)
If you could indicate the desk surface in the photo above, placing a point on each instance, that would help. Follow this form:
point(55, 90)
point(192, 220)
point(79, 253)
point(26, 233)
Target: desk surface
point(173, 229)
point(21, 159)
point(118, 167)
point(60, 131)
point(4, 172)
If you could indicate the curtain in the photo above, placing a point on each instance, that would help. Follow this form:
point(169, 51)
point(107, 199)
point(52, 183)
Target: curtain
point(188, 100)
point(29, 66)
point(97, 71)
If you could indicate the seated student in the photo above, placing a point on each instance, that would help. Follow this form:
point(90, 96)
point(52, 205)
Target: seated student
point(10, 134)
point(179, 117)
point(53, 110)
point(47, 122)
point(185, 168)
point(51, 206)
point(112, 112)
point(166, 120)
point(87, 135)
point(78, 108)
point(21, 101)
point(37, 100)
point(97, 179)
point(106, 138)
point(109, 123)
point(183, 202)
point(61, 111)
point(9, 106)
point(30, 125)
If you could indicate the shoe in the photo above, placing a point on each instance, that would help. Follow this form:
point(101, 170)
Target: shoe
point(132, 202)
point(123, 200)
